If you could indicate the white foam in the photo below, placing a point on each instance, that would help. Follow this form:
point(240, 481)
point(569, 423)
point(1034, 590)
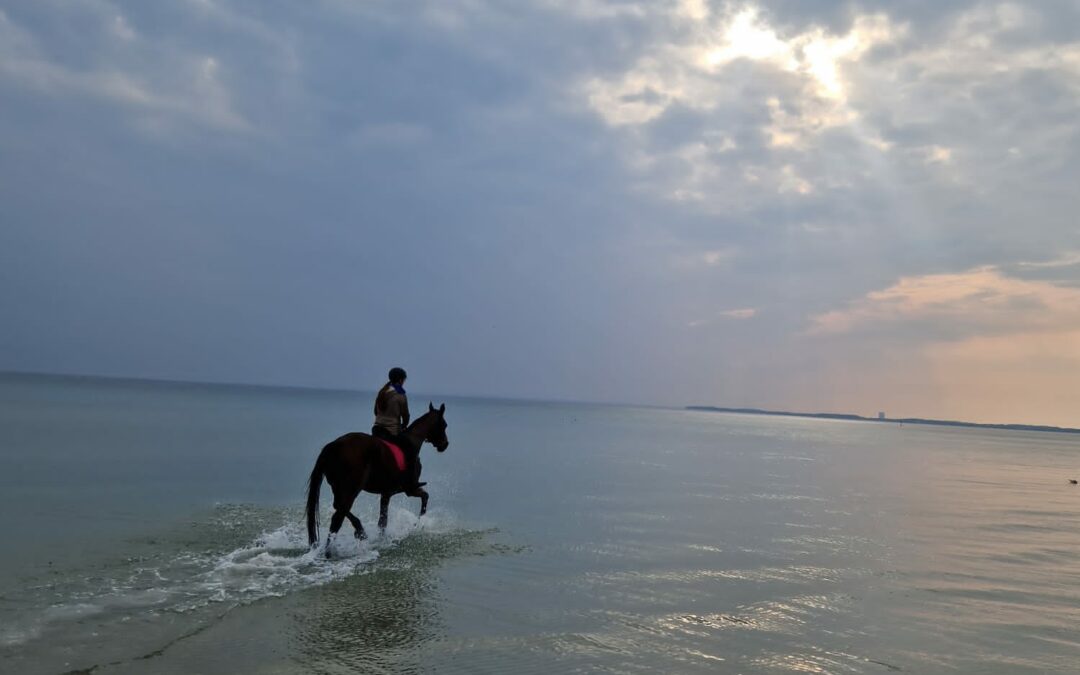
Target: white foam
point(279, 561)
point(276, 562)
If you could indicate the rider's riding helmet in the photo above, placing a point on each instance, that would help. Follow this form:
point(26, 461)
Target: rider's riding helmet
point(397, 374)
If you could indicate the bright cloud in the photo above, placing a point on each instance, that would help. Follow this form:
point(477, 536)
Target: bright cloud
point(979, 300)
point(740, 314)
point(808, 94)
point(690, 72)
point(744, 313)
point(800, 84)
point(718, 256)
point(815, 54)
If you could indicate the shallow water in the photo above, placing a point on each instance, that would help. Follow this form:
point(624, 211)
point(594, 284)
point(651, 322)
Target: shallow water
point(156, 528)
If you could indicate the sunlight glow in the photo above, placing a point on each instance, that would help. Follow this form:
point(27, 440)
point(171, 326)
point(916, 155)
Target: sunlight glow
point(814, 53)
point(745, 37)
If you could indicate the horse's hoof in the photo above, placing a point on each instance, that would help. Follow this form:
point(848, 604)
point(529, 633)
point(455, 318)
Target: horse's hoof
point(328, 555)
point(361, 535)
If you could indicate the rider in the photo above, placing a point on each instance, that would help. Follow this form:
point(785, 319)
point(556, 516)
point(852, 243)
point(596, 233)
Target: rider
point(392, 418)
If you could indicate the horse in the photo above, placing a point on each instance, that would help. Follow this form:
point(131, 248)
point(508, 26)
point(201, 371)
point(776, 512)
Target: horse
point(359, 462)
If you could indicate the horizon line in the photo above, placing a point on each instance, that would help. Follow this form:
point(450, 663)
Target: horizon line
point(312, 388)
point(526, 399)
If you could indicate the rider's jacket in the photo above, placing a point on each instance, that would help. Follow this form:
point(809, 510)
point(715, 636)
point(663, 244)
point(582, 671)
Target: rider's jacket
point(394, 414)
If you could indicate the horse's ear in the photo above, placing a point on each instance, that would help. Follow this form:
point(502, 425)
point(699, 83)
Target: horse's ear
point(442, 408)
point(430, 407)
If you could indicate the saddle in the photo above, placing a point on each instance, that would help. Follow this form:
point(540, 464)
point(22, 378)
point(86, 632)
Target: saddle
point(399, 458)
point(396, 452)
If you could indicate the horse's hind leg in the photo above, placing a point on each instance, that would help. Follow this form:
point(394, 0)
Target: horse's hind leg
point(384, 507)
point(341, 511)
point(335, 525)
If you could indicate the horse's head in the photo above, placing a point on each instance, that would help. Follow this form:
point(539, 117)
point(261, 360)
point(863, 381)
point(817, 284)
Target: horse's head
point(436, 433)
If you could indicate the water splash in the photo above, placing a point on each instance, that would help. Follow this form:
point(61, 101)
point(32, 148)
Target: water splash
point(205, 569)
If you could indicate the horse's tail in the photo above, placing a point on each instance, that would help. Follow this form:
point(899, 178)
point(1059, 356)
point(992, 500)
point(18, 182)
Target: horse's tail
point(314, 483)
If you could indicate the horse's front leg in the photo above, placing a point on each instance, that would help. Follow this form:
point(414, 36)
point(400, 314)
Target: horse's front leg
point(358, 527)
point(384, 506)
point(422, 494)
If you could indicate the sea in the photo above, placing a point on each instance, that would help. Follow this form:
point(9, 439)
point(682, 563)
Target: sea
point(157, 528)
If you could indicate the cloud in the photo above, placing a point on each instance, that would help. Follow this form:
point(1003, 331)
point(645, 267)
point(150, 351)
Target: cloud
point(873, 180)
point(938, 154)
point(717, 256)
point(978, 301)
point(607, 9)
point(793, 182)
point(1070, 259)
point(880, 103)
point(195, 93)
point(121, 29)
point(740, 314)
point(691, 71)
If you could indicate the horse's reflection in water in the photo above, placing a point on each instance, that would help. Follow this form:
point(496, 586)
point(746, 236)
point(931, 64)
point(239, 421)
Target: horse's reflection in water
point(357, 462)
point(378, 621)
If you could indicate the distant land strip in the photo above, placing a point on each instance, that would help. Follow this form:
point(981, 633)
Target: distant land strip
point(904, 420)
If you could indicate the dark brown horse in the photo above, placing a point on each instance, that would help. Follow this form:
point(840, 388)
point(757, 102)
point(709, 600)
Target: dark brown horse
point(357, 462)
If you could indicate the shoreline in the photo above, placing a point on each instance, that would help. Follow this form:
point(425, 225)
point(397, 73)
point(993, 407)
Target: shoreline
point(900, 420)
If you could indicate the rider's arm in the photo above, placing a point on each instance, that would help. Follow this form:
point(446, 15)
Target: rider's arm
point(404, 412)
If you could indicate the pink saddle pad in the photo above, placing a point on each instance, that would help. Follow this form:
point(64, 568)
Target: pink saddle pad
point(399, 455)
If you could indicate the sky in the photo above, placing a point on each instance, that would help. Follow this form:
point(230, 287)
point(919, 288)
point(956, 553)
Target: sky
point(814, 205)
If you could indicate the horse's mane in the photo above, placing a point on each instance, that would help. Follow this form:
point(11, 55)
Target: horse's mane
point(420, 419)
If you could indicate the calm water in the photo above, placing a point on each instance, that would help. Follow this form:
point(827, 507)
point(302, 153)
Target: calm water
point(151, 528)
